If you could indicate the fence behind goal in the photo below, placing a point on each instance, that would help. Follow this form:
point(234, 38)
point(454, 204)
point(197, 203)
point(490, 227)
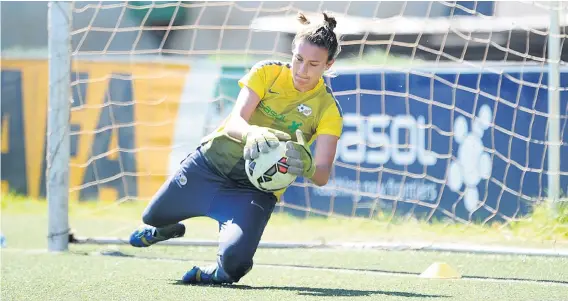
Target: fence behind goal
point(452, 114)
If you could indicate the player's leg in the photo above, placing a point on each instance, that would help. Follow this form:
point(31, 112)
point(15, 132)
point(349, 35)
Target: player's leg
point(186, 194)
point(242, 216)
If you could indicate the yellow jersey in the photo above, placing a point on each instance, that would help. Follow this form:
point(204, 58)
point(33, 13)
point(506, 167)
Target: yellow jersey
point(282, 107)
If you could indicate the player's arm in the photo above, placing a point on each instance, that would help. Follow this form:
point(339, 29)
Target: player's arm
point(317, 168)
point(256, 139)
point(246, 103)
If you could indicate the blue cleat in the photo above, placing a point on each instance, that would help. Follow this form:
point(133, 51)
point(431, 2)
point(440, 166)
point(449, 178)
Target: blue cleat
point(208, 275)
point(149, 235)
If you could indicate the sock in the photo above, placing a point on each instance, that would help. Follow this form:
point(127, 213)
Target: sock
point(166, 231)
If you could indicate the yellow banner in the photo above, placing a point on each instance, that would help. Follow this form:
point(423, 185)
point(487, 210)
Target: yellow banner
point(122, 125)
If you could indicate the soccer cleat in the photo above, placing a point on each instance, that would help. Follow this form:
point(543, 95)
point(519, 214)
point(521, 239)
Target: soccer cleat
point(149, 235)
point(208, 275)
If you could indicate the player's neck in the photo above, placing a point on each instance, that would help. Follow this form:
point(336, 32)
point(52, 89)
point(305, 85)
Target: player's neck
point(307, 88)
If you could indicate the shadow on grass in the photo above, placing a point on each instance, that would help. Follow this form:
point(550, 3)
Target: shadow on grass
point(323, 292)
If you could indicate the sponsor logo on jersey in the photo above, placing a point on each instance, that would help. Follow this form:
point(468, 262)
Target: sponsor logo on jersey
point(271, 113)
point(294, 126)
point(281, 117)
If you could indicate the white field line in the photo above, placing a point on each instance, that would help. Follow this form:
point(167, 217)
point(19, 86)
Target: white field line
point(397, 246)
point(301, 267)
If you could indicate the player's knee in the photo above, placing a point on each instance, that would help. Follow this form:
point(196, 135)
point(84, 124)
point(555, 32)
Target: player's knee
point(150, 218)
point(236, 266)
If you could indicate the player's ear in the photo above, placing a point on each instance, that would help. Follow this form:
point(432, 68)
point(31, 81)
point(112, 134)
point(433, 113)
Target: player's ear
point(329, 64)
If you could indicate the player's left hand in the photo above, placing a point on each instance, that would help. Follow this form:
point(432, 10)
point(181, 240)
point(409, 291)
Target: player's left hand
point(260, 140)
point(300, 159)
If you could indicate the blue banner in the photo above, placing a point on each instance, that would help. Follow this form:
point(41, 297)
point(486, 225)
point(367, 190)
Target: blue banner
point(445, 143)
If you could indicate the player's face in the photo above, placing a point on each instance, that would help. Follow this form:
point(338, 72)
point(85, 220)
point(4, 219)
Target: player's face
point(308, 65)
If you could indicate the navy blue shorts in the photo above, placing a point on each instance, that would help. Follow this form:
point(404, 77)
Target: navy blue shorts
point(197, 189)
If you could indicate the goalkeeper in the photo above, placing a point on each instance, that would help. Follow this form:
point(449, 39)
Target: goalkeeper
point(277, 102)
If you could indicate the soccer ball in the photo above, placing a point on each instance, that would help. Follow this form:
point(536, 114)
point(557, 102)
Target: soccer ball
point(269, 172)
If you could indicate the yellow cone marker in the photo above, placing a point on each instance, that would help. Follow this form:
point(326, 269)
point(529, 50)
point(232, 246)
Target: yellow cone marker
point(440, 270)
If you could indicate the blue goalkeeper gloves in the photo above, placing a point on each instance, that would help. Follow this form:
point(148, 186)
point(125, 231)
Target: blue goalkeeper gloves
point(260, 140)
point(300, 159)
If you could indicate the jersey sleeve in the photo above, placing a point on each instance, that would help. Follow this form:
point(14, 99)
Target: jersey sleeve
point(331, 122)
point(255, 79)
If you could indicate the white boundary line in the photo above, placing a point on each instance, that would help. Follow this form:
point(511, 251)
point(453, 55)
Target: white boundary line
point(396, 246)
point(301, 267)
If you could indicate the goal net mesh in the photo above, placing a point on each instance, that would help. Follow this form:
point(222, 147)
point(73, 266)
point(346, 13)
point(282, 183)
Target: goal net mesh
point(445, 105)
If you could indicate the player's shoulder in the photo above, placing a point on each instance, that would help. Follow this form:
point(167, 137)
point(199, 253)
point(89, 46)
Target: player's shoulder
point(271, 64)
point(328, 99)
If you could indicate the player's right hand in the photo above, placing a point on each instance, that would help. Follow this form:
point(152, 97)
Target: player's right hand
point(260, 140)
point(300, 159)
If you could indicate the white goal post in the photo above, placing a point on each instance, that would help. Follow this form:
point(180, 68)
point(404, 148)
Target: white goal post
point(58, 149)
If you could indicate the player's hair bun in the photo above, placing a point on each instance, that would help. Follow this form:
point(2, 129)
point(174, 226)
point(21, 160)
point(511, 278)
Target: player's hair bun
point(330, 21)
point(302, 18)
point(320, 34)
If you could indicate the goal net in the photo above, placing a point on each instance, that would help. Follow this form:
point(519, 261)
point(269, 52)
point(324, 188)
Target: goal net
point(451, 120)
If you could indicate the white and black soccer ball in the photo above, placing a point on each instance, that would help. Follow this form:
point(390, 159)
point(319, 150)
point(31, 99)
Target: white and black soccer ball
point(269, 172)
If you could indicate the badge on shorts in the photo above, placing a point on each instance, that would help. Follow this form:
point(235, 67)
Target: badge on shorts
point(181, 179)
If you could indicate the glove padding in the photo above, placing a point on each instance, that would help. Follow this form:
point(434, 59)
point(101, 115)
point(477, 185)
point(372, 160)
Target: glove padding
point(300, 159)
point(260, 140)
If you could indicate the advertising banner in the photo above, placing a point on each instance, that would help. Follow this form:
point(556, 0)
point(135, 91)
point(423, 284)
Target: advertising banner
point(123, 117)
point(446, 143)
point(457, 143)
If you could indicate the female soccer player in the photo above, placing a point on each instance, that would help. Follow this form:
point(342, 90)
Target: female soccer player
point(276, 101)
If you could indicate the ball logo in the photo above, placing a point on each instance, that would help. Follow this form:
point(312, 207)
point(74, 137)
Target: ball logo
point(283, 165)
point(472, 163)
